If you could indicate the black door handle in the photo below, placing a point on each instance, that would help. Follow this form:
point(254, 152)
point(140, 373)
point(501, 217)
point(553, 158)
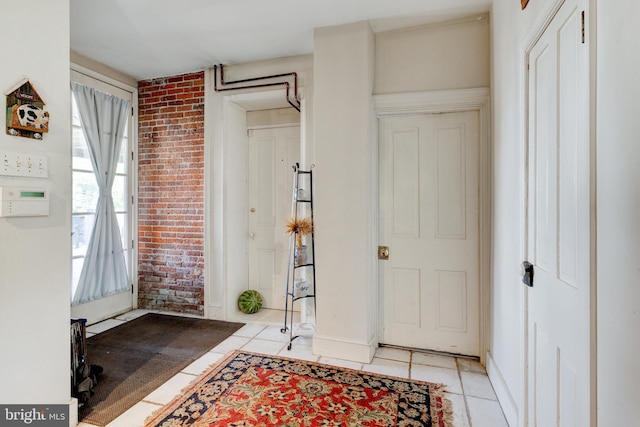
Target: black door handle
point(527, 277)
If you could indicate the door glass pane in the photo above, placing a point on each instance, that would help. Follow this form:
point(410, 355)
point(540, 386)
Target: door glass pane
point(125, 236)
point(82, 226)
point(76, 268)
point(119, 193)
point(123, 158)
point(85, 192)
point(80, 152)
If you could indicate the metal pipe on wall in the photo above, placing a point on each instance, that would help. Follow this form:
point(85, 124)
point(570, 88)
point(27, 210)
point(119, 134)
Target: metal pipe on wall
point(255, 86)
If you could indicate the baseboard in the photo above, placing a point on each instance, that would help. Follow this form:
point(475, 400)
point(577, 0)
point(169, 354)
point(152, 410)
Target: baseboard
point(214, 313)
point(357, 352)
point(506, 400)
point(73, 412)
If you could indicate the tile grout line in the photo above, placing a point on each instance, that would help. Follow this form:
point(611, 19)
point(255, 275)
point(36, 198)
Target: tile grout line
point(464, 395)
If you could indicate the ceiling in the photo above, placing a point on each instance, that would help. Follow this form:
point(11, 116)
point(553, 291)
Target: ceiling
point(155, 38)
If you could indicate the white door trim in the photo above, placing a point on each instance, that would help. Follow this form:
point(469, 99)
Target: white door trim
point(226, 194)
point(445, 101)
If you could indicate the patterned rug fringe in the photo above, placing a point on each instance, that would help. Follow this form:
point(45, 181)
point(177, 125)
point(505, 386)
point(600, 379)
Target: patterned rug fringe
point(447, 410)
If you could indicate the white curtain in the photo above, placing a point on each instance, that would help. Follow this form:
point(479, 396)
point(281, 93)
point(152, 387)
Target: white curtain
point(103, 118)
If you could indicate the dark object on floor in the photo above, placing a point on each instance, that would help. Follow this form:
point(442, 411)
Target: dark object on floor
point(140, 355)
point(84, 376)
point(88, 378)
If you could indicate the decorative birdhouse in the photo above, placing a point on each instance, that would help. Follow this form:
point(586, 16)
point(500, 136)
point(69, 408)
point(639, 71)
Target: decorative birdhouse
point(25, 111)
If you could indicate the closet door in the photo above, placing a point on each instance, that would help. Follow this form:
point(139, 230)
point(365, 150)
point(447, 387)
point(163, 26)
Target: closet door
point(559, 221)
point(429, 186)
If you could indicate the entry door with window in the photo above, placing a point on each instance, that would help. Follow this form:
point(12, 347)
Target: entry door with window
point(272, 154)
point(428, 196)
point(84, 200)
point(559, 223)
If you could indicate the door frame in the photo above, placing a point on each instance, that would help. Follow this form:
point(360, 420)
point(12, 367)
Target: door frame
point(449, 101)
point(112, 305)
point(226, 193)
point(529, 42)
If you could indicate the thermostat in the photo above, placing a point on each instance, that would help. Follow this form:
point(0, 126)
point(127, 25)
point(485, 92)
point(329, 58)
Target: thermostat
point(18, 201)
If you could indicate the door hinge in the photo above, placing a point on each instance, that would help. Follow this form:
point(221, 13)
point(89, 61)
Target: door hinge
point(131, 111)
point(132, 201)
point(583, 34)
point(132, 244)
point(132, 288)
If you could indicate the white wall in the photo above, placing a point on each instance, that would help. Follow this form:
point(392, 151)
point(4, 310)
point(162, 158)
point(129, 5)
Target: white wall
point(445, 55)
point(102, 69)
point(35, 255)
point(275, 117)
point(506, 336)
point(344, 223)
point(618, 186)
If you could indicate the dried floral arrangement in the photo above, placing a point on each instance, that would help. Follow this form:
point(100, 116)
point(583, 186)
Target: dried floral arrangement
point(301, 227)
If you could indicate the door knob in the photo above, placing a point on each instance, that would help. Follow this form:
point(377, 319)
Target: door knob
point(383, 252)
point(252, 236)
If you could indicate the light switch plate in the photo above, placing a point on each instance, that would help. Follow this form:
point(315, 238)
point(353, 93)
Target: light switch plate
point(24, 165)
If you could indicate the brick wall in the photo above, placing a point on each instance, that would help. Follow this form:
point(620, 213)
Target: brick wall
point(171, 193)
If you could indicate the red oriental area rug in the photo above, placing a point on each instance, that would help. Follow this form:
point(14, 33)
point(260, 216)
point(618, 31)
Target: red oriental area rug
point(248, 389)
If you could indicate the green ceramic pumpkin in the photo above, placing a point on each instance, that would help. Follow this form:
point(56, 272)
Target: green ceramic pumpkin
point(250, 302)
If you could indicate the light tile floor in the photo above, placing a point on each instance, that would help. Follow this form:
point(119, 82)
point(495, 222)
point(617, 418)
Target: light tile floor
point(468, 387)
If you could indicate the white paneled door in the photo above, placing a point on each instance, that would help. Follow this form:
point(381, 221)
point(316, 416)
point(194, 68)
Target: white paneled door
point(558, 244)
point(428, 193)
point(272, 153)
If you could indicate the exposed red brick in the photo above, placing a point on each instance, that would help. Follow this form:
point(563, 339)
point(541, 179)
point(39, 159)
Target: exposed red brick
point(171, 193)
